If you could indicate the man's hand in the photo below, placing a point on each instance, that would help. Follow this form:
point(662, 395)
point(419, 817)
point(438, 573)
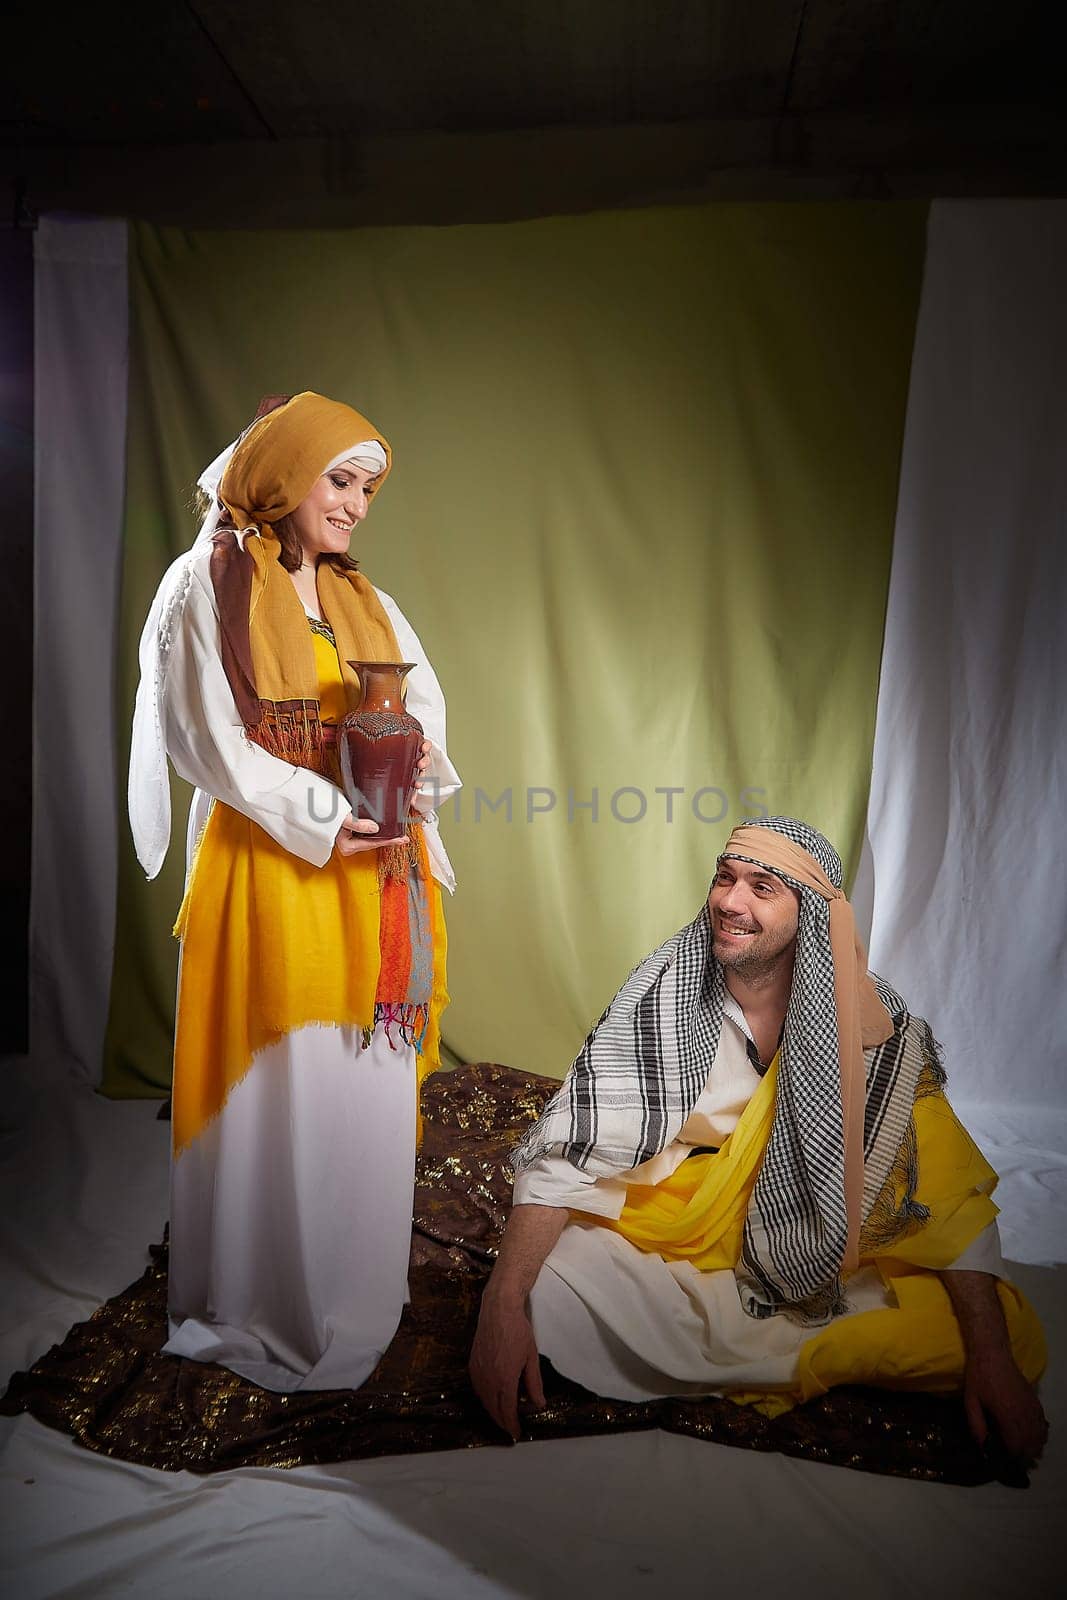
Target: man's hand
point(503, 1356)
point(996, 1394)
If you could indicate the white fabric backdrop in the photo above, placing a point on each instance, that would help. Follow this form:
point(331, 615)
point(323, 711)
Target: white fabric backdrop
point(966, 818)
point(80, 332)
point(969, 882)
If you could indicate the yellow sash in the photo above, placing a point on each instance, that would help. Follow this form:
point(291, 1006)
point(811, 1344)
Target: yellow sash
point(698, 1214)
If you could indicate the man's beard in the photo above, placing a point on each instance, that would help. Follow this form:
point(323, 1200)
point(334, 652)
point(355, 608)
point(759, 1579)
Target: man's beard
point(755, 960)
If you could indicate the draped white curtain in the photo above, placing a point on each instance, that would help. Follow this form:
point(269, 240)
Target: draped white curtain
point(967, 809)
point(81, 340)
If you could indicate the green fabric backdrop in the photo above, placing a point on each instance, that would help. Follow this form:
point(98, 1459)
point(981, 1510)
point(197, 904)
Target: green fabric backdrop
point(641, 517)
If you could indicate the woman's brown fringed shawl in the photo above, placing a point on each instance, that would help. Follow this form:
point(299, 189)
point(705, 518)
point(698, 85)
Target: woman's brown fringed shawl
point(267, 649)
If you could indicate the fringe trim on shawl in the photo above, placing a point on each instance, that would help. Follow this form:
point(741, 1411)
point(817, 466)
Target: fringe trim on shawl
point(291, 730)
point(410, 1022)
point(397, 860)
point(889, 1220)
point(814, 1312)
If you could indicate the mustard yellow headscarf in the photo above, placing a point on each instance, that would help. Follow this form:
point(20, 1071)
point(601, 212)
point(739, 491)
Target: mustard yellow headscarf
point(278, 460)
point(267, 648)
point(272, 468)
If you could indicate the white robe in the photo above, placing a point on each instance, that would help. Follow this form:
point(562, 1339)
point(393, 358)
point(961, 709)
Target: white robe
point(625, 1322)
point(291, 1211)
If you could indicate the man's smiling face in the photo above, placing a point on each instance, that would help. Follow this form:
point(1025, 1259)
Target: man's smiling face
point(754, 917)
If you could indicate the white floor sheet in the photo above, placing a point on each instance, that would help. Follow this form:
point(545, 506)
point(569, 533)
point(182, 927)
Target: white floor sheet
point(83, 1188)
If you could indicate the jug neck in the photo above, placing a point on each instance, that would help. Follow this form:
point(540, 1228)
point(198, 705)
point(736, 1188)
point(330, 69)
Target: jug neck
point(382, 684)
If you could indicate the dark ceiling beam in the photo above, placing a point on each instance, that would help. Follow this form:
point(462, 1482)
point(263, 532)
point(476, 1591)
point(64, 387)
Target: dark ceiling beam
point(461, 177)
point(242, 88)
point(787, 87)
point(324, 69)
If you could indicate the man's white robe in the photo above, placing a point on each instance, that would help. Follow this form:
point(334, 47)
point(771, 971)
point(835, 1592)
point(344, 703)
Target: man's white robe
point(626, 1323)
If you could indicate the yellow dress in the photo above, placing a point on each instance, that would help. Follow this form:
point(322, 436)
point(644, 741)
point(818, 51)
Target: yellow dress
point(295, 1113)
point(271, 944)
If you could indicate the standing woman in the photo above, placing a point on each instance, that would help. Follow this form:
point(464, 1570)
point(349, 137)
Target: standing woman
point(312, 972)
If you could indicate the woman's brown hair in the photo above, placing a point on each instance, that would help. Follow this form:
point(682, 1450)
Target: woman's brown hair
point(292, 552)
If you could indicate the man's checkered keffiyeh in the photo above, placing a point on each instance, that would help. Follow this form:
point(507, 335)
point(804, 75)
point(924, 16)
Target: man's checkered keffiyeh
point(640, 1072)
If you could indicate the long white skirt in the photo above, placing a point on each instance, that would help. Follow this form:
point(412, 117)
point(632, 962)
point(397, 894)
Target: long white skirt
point(630, 1325)
point(291, 1215)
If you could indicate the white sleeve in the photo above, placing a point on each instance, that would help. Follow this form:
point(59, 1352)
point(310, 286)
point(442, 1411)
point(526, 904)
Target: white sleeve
point(207, 742)
point(983, 1254)
point(553, 1181)
point(425, 700)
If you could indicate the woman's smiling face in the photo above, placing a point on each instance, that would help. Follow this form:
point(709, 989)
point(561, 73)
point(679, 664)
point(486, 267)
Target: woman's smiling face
point(324, 519)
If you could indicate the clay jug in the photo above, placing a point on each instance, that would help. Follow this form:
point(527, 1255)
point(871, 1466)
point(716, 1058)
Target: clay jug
point(379, 745)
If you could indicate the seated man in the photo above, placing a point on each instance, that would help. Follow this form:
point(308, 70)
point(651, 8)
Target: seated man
point(750, 1182)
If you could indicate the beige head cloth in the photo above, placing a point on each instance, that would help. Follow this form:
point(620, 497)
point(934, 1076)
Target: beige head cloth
point(862, 1019)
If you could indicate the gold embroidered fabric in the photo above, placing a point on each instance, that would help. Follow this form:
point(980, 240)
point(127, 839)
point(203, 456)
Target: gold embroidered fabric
point(110, 1387)
point(323, 629)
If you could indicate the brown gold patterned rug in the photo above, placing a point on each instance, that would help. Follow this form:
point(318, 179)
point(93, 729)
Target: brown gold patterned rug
point(109, 1386)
